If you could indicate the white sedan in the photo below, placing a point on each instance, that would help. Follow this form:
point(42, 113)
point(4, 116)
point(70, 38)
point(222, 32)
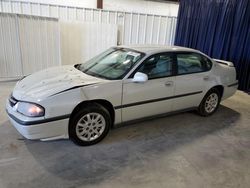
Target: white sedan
point(122, 84)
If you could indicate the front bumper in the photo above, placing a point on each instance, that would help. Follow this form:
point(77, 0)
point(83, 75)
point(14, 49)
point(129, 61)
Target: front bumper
point(38, 128)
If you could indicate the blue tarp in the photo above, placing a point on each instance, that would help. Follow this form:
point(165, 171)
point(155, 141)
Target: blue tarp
point(219, 28)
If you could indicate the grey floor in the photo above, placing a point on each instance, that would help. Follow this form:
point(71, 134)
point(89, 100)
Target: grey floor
point(183, 150)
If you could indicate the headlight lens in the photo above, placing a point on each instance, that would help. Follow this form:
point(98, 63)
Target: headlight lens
point(30, 109)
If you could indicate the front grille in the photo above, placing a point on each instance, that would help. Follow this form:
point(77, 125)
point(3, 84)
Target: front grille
point(12, 101)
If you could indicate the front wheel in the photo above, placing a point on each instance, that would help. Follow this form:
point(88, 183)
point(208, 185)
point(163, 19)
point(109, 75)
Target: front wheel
point(210, 103)
point(90, 125)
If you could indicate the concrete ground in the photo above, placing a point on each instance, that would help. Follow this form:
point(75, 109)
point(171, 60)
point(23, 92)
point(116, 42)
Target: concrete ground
point(182, 151)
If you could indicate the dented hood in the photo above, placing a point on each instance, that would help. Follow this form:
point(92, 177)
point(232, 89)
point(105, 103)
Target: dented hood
point(51, 81)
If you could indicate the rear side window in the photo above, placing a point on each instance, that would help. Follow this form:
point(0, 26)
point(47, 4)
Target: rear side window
point(207, 62)
point(192, 63)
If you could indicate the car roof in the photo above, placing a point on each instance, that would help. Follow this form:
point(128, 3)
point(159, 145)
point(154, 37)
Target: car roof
point(151, 49)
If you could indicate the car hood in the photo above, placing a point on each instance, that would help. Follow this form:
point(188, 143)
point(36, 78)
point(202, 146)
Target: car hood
point(50, 81)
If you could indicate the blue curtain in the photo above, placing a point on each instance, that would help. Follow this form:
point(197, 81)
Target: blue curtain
point(220, 29)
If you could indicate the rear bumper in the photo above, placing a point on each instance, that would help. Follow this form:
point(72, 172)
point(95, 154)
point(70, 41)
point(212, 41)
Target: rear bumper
point(230, 90)
point(235, 85)
point(38, 129)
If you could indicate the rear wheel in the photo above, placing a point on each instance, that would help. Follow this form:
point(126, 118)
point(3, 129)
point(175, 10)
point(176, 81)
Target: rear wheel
point(210, 102)
point(90, 125)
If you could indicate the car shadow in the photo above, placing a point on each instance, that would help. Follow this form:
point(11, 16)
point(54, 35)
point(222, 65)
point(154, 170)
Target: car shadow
point(133, 145)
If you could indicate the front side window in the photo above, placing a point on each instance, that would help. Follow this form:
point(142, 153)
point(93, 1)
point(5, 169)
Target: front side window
point(157, 66)
point(189, 63)
point(112, 64)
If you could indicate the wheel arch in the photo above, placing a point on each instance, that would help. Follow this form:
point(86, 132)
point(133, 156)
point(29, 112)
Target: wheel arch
point(220, 88)
point(201, 107)
point(104, 103)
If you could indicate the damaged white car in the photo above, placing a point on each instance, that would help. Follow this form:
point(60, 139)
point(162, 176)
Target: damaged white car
point(122, 84)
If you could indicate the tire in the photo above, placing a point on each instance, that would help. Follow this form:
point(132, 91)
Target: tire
point(89, 125)
point(210, 101)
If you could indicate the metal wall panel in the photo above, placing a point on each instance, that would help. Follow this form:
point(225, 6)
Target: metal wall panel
point(27, 44)
point(133, 28)
point(32, 43)
point(39, 42)
point(10, 59)
point(80, 41)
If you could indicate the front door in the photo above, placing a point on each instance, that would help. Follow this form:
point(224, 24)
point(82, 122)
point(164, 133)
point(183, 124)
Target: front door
point(153, 96)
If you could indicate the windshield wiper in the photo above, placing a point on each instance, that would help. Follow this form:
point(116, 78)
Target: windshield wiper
point(95, 75)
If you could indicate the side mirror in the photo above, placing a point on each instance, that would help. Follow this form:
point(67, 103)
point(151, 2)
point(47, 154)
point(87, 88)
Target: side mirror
point(140, 77)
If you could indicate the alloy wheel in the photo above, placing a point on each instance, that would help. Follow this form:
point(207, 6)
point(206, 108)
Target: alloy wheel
point(211, 102)
point(90, 126)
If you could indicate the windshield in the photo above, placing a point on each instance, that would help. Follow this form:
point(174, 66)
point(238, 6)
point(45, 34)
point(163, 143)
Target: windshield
point(112, 64)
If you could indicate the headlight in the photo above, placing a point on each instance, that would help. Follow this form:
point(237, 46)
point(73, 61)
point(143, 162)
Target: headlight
point(30, 109)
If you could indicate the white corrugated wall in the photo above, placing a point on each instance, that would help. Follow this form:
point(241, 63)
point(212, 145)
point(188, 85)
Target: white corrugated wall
point(132, 28)
point(39, 43)
point(81, 41)
point(10, 56)
point(27, 44)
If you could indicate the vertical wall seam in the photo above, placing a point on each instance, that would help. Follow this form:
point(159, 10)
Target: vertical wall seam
point(19, 43)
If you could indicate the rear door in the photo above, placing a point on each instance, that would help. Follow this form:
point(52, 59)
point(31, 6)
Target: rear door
point(153, 96)
point(192, 75)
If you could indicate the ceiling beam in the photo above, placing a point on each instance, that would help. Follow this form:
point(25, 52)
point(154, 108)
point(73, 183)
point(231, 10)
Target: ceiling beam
point(100, 4)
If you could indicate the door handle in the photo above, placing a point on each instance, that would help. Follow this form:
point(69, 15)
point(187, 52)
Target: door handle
point(206, 78)
point(169, 83)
